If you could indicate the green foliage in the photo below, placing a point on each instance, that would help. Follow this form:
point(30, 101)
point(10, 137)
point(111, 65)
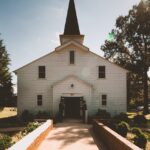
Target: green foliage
point(121, 117)
point(5, 141)
point(136, 131)
point(27, 116)
point(140, 140)
point(103, 114)
point(130, 48)
point(30, 127)
point(140, 119)
point(43, 115)
point(5, 77)
point(123, 128)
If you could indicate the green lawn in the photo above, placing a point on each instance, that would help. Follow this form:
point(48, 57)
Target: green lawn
point(8, 112)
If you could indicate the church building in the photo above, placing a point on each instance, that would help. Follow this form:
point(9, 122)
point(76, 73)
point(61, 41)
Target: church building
point(71, 74)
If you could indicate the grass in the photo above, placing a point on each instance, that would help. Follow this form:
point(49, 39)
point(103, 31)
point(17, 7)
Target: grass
point(8, 112)
point(8, 118)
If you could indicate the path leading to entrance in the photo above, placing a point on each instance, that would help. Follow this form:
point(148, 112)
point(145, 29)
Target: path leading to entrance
point(71, 135)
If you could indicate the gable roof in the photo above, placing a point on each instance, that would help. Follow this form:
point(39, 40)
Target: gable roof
point(15, 71)
point(71, 26)
point(109, 61)
point(74, 43)
point(74, 77)
point(67, 44)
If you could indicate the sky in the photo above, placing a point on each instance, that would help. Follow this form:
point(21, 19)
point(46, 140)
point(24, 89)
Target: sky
point(31, 28)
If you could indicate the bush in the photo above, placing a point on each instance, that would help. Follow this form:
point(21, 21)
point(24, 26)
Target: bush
point(140, 140)
point(30, 127)
point(27, 116)
point(112, 125)
point(136, 131)
point(140, 119)
point(5, 141)
point(43, 115)
point(123, 128)
point(103, 114)
point(122, 117)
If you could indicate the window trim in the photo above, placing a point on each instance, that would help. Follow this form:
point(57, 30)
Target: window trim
point(41, 72)
point(104, 94)
point(73, 57)
point(39, 99)
point(102, 72)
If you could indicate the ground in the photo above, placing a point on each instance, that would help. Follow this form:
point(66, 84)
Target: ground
point(8, 118)
point(71, 135)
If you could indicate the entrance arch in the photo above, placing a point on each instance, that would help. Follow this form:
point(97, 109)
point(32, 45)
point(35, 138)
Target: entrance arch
point(72, 94)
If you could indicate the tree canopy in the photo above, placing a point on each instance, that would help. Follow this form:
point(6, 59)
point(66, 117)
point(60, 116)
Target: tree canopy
point(5, 77)
point(130, 46)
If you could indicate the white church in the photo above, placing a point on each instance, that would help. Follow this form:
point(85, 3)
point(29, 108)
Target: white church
point(72, 73)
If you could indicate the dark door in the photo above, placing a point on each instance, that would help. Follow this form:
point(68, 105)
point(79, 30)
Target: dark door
point(72, 107)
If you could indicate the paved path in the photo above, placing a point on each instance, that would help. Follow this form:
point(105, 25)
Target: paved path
point(71, 135)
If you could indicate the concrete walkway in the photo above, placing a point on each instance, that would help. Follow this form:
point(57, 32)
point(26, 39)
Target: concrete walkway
point(71, 135)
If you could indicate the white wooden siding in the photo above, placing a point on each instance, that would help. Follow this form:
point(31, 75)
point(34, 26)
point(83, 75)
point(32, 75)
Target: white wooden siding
point(85, 68)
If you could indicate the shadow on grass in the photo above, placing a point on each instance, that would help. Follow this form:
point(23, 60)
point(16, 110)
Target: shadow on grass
point(1, 109)
point(10, 122)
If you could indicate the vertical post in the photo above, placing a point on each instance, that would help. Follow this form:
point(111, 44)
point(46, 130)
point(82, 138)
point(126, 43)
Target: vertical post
point(86, 116)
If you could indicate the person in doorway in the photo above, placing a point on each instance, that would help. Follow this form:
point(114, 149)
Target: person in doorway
point(61, 110)
point(84, 107)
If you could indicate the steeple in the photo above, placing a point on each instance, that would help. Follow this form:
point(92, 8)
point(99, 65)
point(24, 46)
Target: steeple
point(71, 31)
point(71, 26)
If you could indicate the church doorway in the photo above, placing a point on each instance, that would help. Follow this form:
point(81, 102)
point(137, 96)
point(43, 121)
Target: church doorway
point(72, 107)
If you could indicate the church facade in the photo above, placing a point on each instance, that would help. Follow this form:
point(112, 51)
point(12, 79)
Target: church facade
point(72, 73)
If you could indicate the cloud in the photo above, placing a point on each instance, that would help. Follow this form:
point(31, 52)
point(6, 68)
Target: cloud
point(55, 41)
point(59, 11)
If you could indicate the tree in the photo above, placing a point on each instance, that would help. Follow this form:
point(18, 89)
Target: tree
point(5, 77)
point(130, 47)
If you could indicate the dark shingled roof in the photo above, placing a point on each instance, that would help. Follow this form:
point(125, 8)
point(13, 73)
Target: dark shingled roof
point(71, 26)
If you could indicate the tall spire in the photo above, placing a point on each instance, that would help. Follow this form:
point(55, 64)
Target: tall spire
point(71, 26)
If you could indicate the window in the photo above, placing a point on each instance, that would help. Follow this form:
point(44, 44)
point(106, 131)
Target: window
point(104, 100)
point(102, 71)
point(39, 100)
point(72, 55)
point(42, 72)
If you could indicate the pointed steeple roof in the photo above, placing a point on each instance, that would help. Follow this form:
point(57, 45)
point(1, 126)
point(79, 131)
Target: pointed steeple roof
point(71, 26)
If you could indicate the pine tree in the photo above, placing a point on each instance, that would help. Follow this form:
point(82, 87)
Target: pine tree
point(5, 77)
point(130, 47)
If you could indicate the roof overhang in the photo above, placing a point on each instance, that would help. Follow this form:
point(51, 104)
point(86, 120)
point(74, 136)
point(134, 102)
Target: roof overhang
point(72, 43)
point(70, 77)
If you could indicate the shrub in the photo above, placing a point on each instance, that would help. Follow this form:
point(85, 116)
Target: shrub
point(27, 116)
point(140, 119)
point(123, 128)
point(136, 131)
point(112, 125)
point(122, 117)
point(43, 115)
point(30, 127)
point(103, 114)
point(5, 141)
point(140, 140)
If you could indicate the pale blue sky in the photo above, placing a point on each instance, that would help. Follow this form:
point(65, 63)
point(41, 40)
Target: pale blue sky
point(30, 28)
